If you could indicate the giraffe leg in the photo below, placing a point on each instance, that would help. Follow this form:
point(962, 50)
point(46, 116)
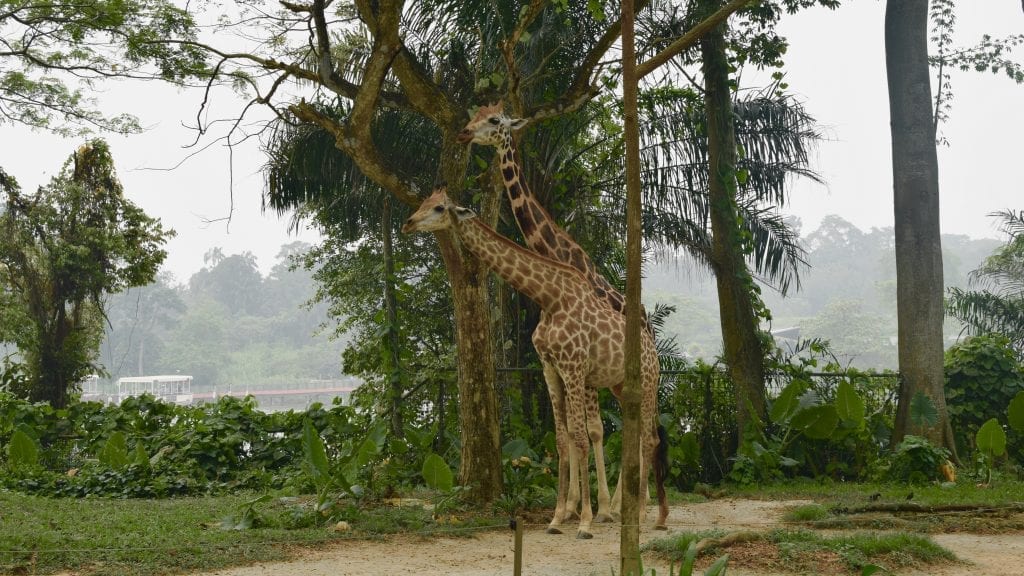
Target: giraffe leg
point(595, 428)
point(655, 455)
point(562, 446)
point(577, 419)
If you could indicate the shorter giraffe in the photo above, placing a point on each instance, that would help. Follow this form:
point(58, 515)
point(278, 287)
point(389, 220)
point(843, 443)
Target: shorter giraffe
point(579, 337)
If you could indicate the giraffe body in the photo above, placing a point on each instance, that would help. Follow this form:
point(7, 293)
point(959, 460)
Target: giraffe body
point(580, 340)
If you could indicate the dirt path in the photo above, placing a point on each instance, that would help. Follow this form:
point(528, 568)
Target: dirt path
point(491, 553)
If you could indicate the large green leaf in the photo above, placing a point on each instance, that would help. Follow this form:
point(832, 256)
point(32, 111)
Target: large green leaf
point(787, 402)
point(922, 410)
point(436, 473)
point(115, 451)
point(1016, 412)
point(991, 439)
point(314, 461)
point(372, 446)
point(22, 450)
point(816, 422)
point(849, 404)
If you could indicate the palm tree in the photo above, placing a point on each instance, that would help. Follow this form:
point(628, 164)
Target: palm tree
point(997, 304)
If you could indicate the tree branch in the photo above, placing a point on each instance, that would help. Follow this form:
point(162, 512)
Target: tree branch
point(362, 152)
point(687, 40)
point(582, 89)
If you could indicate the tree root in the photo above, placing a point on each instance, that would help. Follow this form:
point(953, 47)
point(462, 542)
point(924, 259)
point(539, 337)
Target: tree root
point(729, 540)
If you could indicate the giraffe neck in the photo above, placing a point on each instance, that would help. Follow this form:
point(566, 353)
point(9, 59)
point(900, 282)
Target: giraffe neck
point(541, 279)
point(539, 230)
point(542, 234)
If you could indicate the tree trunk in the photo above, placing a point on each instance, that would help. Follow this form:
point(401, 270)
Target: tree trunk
point(478, 403)
point(740, 331)
point(480, 470)
point(393, 370)
point(632, 483)
point(916, 206)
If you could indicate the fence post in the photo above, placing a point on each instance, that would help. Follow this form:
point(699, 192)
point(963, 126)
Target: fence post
point(517, 563)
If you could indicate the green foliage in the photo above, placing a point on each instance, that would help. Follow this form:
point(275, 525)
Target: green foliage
point(821, 427)
point(54, 53)
point(983, 376)
point(1015, 412)
point(528, 481)
point(991, 443)
point(436, 473)
point(63, 250)
point(22, 451)
point(146, 448)
point(115, 452)
point(916, 460)
point(991, 439)
point(995, 302)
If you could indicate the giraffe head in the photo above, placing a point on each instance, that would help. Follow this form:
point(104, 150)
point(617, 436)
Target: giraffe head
point(437, 212)
point(489, 126)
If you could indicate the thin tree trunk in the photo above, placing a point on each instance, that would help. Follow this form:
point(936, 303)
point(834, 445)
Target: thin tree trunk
point(916, 208)
point(390, 343)
point(629, 542)
point(740, 331)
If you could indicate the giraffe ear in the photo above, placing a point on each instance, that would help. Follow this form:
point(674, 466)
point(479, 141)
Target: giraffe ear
point(462, 213)
point(518, 123)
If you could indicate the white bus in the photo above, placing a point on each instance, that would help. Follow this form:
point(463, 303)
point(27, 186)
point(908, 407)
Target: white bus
point(176, 389)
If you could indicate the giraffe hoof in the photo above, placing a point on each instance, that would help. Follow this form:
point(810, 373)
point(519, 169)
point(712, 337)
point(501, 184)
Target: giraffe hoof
point(553, 530)
point(584, 535)
point(603, 518)
point(660, 527)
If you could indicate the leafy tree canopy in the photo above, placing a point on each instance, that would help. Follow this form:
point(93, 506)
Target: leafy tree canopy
point(52, 53)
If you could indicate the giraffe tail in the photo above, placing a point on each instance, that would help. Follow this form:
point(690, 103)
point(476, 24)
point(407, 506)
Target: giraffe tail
point(661, 468)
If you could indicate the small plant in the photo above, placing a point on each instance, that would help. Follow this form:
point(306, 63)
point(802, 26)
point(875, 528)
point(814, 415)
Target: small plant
point(917, 461)
point(991, 443)
point(247, 516)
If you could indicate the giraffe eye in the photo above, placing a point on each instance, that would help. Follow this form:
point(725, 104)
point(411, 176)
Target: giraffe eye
point(438, 208)
point(494, 121)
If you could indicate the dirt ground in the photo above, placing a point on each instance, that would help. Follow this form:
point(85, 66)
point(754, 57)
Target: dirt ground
point(491, 553)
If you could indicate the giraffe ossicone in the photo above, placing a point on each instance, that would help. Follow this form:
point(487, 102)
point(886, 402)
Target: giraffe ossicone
point(581, 344)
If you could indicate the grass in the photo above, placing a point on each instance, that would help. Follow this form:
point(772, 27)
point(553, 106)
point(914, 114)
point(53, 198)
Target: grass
point(135, 537)
point(845, 494)
point(808, 551)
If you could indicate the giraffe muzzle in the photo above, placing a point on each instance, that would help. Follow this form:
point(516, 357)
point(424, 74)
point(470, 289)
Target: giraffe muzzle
point(464, 137)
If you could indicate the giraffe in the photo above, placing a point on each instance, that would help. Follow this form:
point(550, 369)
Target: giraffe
point(490, 126)
point(579, 339)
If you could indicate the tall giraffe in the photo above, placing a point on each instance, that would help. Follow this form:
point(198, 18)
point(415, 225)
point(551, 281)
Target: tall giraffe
point(490, 126)
point(579, 339)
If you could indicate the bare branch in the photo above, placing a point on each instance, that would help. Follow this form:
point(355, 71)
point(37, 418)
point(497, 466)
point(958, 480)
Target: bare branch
point(364, 153)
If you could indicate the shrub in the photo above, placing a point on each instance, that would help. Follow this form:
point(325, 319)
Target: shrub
point(982, 377)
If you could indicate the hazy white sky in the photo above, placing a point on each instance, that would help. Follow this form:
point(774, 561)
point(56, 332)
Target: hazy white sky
point(835, 65)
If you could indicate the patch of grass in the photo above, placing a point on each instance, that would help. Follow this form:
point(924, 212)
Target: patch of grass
point(808, 551)
point(676, 497)
point(890, 549)
point(136, 537)
point(806, 513)
point(839, 494)
point(674, 547)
